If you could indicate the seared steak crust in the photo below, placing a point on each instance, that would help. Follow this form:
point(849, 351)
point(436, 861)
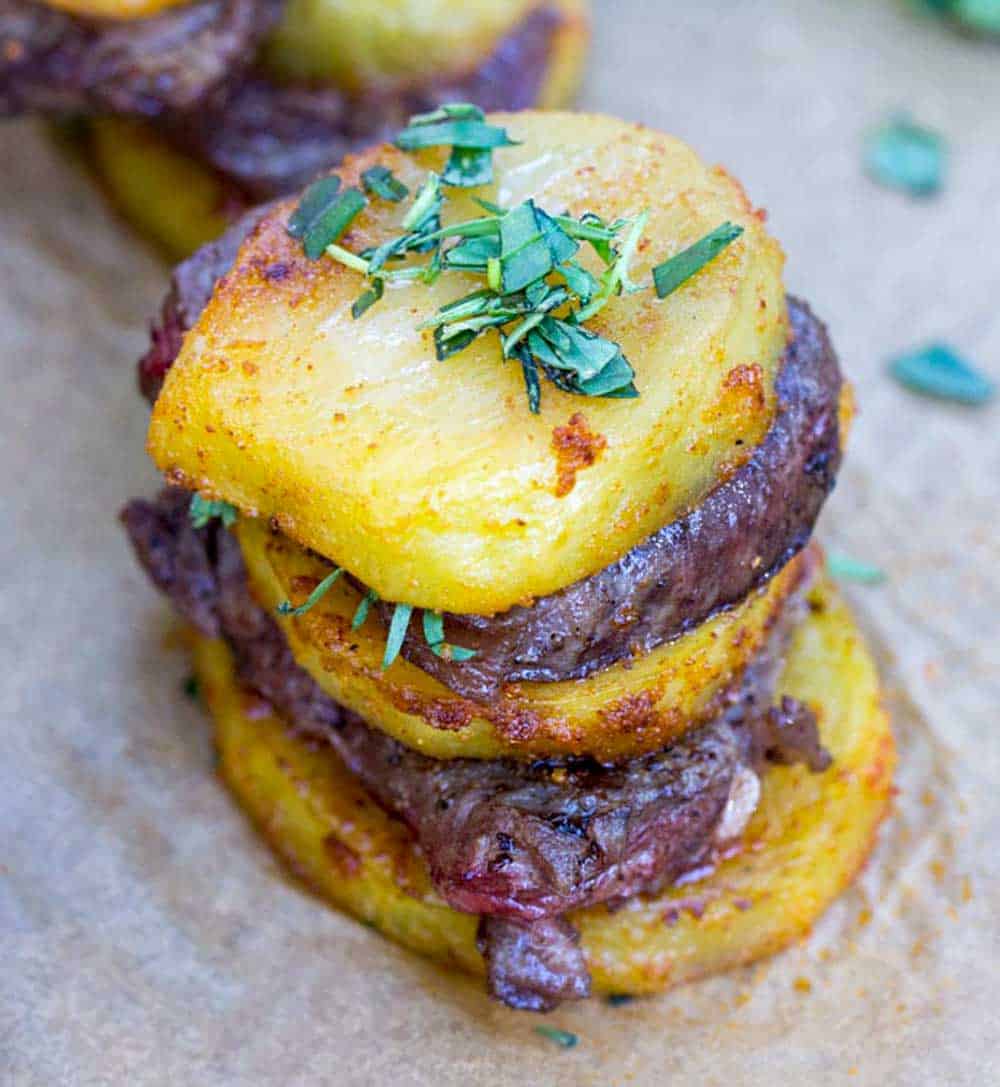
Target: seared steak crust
point(55, 63)
point(739, 536)
point(518, 843)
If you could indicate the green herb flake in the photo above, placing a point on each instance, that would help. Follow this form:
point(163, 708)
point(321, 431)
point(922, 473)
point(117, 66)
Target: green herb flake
point(466, 133)
point(937, 371)
point(368, 299)
point(332, 222)
point(902, 154)
point(364, 606)
point(845, 568)
point(978, 15)
point(433, 623)
point(618, 1000)
point(287, 608)
point(468, 167)
point(563, 1038)
point(382, 182)
point(397, 633)
point(316, 200)
point(203, 510)
point(191, 688)
point(676, 271)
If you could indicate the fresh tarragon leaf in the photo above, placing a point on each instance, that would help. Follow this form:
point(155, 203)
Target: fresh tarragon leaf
point(368, 299)
point(318, 198)
point(845, 568)
point(676, 271)
point(565, 1039)
point(361, 612)
point(901, 154)
point(203, 510)
point(936, 370)
point(381, 181)
point(397, 633)
point(434, 636)
point(324, 213)
point(287, 608)
point(463, 127)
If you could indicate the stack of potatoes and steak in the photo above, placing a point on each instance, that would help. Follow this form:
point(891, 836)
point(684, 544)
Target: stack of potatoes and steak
point(660, 751)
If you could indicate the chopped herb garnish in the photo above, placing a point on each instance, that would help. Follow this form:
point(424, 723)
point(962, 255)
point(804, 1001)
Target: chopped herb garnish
point(617, 1000)
point(203, 510)
point(368, 298)
point(191, 687)
point(845, 568)
point(317, 199)
point(286, 607)
point(324, 214)
point(904, 155)
point(936, 370)
point(397, 633)
point(672, 273)
point(537, 296)
point(979, 15)
point(434, 636)
point(361, 612)
point(382, 182)
point(563, 1038)
point(472, 140)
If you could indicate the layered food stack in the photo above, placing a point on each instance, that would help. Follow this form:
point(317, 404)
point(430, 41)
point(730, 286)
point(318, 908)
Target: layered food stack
point(493, 463)
point(202, 107)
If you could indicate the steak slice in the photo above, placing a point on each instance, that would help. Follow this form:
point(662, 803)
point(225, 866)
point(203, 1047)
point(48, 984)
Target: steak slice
point(55, 63)
point(734, 540)
point(518, 843)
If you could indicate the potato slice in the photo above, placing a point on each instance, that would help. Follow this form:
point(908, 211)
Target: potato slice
point(114, 9)
point(809, 837)
point(168, 196)
point(634, 706)
point(359, 45)
point(431, 481)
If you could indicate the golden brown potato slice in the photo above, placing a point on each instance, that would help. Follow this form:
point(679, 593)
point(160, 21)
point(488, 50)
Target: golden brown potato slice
point(359, 45)
point(809, 837)
point(114, 9)
point(634, 706)
point(171, 199)
point(430, 480)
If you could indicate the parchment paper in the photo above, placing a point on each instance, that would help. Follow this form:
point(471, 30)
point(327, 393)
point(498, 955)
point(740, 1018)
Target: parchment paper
point(148, 938)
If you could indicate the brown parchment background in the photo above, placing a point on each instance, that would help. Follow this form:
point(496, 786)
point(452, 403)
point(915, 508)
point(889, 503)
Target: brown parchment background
point(147, 938)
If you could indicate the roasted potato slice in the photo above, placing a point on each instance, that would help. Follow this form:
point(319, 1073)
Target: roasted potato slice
point(399, 43)
point(637, 705)
point(114, 9)
point(169, 197)
point(809, 837)
point(431, 481)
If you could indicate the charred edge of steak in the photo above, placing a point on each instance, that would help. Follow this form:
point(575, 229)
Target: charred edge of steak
point(518, 843)
point(55, 63)
point(271, 139)
point(738, 537)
